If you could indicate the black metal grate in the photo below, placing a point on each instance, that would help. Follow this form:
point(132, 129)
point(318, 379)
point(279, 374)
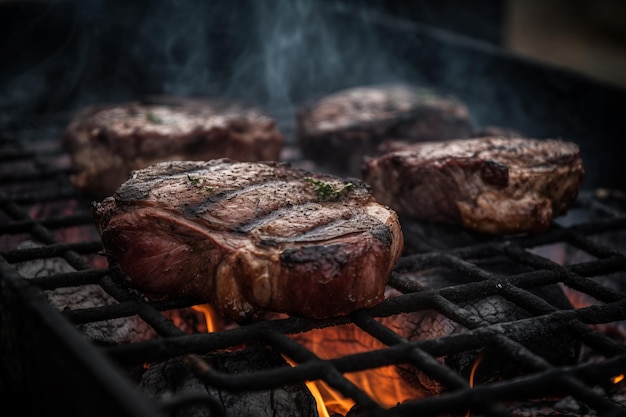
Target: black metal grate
point(101, 377)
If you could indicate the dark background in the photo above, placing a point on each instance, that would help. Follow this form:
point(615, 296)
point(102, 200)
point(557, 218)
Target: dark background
point(547, 71)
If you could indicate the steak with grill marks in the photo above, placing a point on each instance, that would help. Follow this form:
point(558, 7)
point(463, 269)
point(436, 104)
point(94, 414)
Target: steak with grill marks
point(492, 184)
point(251, 238)
point(338, 130)
point(107, 142)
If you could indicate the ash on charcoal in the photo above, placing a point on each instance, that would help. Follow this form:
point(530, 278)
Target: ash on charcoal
point(113, 331)
point(559, 348)
point(172, 378)
point(568, 406)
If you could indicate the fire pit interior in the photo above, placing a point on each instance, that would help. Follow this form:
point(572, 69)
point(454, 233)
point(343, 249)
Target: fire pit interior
point(515, 325)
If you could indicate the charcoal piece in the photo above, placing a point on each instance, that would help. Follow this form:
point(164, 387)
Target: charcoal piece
point(551, 342)
point(173, 377)
point(615, 281)
point(113, 331)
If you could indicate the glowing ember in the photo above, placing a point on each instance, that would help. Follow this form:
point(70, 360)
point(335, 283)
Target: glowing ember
point(385, 385)
point(477, 362)
point(211, 317)
point(617, 379)
point(328, 400)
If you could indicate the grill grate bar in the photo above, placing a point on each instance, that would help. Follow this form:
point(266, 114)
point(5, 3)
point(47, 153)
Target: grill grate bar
point(418, 357)
point(41, 233)
point(41, 174)
point(470, 258)
point(532, 386)
point(61, 193)
point(52, 223)
point(69, 279)
point(53, 250)
point(330, 374)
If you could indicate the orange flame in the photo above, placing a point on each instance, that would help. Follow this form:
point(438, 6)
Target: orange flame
point(477, 362)
point(617, 379)
point(384, 384)
point(210, 316)
point(328, 400)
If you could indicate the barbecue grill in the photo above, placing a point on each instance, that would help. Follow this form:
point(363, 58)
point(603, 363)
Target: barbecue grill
point(50, 367)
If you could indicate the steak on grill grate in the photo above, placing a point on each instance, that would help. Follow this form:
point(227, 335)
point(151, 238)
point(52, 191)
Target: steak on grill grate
point(336, 131)
point(251, 237)
point(490, 184)
point(107, 142)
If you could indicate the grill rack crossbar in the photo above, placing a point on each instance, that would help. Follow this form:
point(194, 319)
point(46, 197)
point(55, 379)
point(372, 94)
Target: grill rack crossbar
point(586, 382)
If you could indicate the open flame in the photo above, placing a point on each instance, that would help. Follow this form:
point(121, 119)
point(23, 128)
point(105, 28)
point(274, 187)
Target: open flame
point(384, 384)
point(328, 400)
point(475, 366)
point(210, 316)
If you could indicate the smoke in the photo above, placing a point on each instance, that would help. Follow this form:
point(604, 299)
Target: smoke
point(278, 51)
point(308, 46)
point(275, 52)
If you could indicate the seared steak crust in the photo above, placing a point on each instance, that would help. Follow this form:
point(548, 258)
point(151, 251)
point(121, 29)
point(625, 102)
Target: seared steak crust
point(107, 142)
point(251, 237)
point(492, 185)
point(336, 131)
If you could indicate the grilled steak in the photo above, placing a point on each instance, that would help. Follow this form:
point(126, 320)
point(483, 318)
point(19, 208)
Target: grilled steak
point(491, 185)
point(338, 130)
point(251, 237)
point(107, 142)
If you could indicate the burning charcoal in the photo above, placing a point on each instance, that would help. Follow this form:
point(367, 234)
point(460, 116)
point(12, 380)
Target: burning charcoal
point(615, 281)
point(174, 377)
point(385, 385)
point(113, 331)
point(557, 348)
point(338, 130)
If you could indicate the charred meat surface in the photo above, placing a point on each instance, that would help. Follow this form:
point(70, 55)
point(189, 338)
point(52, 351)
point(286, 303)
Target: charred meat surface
point(107, 142)
point(491, 185)
point(336, 131)
point(251, 237)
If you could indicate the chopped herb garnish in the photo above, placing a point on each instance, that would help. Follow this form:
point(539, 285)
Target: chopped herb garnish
point(193, 181)
point(153, 118)
point(196, 183)
point(326, 191)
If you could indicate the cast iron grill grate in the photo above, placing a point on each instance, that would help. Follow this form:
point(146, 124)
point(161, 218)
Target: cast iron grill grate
point(36, 194)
